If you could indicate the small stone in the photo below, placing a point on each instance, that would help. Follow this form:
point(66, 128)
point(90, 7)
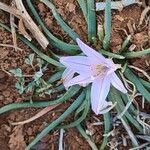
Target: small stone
point(71, 7)
point(46, 138)
point(6, 93)
point(1, 97)
point(41, 7)
point(31, 138)
point(49, 22)
point(8, 100)
point(29, 131)
point(7, 128)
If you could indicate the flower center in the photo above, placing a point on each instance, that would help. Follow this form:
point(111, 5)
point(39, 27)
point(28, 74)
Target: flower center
point(97, 69)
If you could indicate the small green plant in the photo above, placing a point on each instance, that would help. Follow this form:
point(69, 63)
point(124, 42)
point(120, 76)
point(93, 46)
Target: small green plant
point(20, 84)
point(35, 81)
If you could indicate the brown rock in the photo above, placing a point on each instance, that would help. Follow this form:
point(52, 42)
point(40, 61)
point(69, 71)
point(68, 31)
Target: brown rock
point(1, 97)
point(29, 131)
point(41, 7)
point(6, 93)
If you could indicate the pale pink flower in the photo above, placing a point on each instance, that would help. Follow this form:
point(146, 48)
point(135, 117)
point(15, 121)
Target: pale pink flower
point(92, 68)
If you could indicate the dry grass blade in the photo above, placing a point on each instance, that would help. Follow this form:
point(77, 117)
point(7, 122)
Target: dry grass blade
point(21, 13)
point(118, 5)
point(29, 23)
point(13, 29)
point(23, 31)
point(144, 13)
point(11, 46)
point(140, 70)
point(10, 10)
point(61, 139)
point(39, 114)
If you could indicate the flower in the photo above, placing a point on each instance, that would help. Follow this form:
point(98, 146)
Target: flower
point(92, 68)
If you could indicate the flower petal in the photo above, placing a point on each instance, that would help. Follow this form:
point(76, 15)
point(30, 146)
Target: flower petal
point(94, 56)
point(80, 64)
point(99, 92)
point(117, 83)
point(112, 66)
point(80, 79)
point(67, 75)
point(91, 53)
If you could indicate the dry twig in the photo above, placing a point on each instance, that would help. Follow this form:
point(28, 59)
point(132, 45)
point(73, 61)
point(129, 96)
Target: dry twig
point(140, 70)
point(21, 13)
point(22, 30)
point(11, 46)
point(10, 10)
point(143, 15)
point(29, 23)
point(13, 29)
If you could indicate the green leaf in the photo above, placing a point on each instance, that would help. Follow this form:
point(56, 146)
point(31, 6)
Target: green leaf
point(91, 19)
point(29, 60)
point(67, 48)
point(38, 75)
point(56, 122)
point(40, 62)
point(81, 112)
point(108, 125)
point(133, 78)
point(55, 77)
point(145, 83)
point(107, 24)
point(115, 96)
point(131, 55)
point(17, 72)
point(111, 54)
point(19, 87)
point(83, 6)
point(30, 86)
point(60, 21)
point(125, 43)
point(70, 93)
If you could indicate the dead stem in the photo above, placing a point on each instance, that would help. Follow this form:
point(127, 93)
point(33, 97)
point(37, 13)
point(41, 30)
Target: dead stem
point(119, 5)
point(29, 23)
point(143, 14)
point(12, 46)
point(13, 29)
point(140, 70)
point(22, 30)
point(10, 10)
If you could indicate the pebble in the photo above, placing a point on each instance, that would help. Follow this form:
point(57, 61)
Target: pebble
point(29, 131)
point(6, 93)
point(1, 97)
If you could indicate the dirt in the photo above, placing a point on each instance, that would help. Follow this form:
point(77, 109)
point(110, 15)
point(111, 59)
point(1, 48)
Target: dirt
point(17, 137)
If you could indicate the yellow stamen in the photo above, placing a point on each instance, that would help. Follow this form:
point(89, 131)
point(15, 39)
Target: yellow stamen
point(97, 69)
